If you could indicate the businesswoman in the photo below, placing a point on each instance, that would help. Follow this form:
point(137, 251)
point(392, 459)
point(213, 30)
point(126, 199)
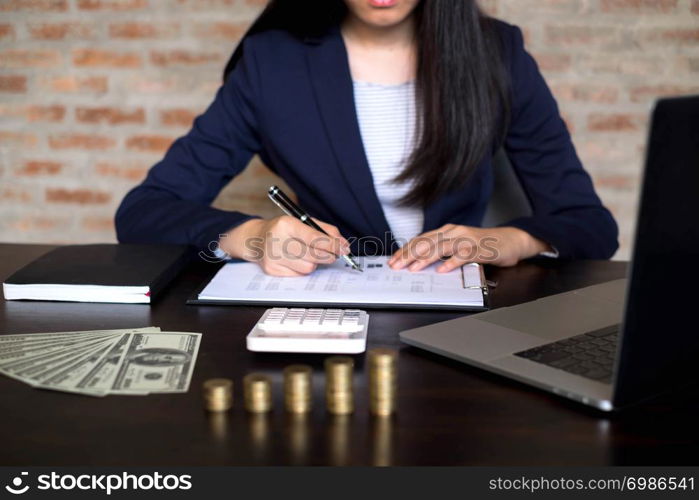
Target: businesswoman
point(383, 117)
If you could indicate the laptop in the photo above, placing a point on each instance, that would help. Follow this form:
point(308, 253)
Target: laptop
point(619, 342)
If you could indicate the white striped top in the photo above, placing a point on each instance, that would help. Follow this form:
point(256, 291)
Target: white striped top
point(387, 118)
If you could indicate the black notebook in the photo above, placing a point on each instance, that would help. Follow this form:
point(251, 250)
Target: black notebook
point(98, 273)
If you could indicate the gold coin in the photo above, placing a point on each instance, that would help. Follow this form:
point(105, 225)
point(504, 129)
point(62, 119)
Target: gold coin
point(258, 393)
point(383, 381)
point(339, 391)
point(218, 394)
point(298, 388)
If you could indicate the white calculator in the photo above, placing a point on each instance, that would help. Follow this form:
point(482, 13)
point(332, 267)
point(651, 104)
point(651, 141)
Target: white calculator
point(331, 331)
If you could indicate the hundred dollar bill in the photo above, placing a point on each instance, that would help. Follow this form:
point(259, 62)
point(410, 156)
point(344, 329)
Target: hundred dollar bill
point(40, 361)
point(159, 362)
point(48, 371)
point(33, 370)
point(102, 374)
point(53, 340)
point(43, 357)
point(31, 337)
point(67, 378)
point(23, 351)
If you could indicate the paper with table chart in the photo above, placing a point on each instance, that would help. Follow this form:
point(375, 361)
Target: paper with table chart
point(338, 284)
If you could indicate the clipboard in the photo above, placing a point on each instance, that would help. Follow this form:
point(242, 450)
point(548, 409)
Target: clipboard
point(238, 283)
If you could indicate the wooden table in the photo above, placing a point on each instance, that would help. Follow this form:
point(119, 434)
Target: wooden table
point(449, 413)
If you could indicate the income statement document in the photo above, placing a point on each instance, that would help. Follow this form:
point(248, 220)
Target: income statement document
point(339, 285)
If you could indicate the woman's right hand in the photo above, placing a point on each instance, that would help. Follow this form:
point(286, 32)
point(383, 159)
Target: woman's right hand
point(284, 246)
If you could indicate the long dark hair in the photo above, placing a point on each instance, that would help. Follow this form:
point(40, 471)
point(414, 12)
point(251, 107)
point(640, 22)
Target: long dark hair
point(462, 84)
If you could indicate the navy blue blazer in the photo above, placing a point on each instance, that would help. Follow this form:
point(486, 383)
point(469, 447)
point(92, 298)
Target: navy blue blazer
point(291, 101)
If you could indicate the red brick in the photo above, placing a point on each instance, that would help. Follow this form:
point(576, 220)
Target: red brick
point(119, 5)
point(13, 83)
point(14, 195)
point(40, 223)
point(76, 84)
point(614, 122)
point(21, 58)
point(580, 35)
point(132, 30)
point(646, 93)
point(35, 113)
point(81, 141)
point(183, 58)
point(221, 30)
point(177, 117)
point(206, 4)
point(132, 172)
point(17, 138)
point(7, 32)
point(550, 62)
point(60, 31)
point(77, 196)
point(112, 116)
point(53, 113)
point(638, 6)
point(35, 168)
point(695, 7)
point(149, 143)
point(98, 224)
point(586, 93)
point(681, 36)
point(106, 58)
point(617, 182)
point(38, 5)
point(676, 36)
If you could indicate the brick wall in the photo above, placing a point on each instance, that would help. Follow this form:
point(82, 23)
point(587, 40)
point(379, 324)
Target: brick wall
point(92, 92)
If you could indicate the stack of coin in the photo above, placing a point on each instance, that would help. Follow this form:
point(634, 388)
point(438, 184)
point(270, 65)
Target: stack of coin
point(297, 388)
point(383, 381)
point(339, 397)
point(218, 394)
point(258, 393)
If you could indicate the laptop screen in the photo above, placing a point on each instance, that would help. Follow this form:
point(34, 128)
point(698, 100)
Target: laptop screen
point(660, 346)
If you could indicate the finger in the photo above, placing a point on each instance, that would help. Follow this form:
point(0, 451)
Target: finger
point(464, 253)
point(421, 246)
point(319, 256)
point(454, 262)
point(300, 266)
point(402, 258)
point(316, 239)
point(294, 248)
point(443, 248)
point(279, 271)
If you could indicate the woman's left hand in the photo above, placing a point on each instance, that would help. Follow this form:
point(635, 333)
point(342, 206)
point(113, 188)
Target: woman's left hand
point(459, 245)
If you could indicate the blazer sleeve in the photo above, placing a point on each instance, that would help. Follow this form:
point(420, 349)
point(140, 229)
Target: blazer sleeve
point(566, 211)
point(172, 205)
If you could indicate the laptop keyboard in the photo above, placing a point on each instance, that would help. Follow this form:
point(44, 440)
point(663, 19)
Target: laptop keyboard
point(589, 355)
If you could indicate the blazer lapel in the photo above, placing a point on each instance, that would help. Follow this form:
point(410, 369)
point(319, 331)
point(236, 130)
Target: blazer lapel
point(332, 83)
point(433, 215)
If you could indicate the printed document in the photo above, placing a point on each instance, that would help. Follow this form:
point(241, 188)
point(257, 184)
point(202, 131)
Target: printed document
point(338, 284)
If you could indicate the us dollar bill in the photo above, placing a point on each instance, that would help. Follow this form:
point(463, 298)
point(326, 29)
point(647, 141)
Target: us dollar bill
point(67, 378)
point(100, 377)
point(33, 337)
point(36, 370)
point(45, 357)
point(160, 362)
point(41, 362)
point(8, 355)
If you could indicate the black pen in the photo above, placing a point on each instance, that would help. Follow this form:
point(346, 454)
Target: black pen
point(292, 209)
